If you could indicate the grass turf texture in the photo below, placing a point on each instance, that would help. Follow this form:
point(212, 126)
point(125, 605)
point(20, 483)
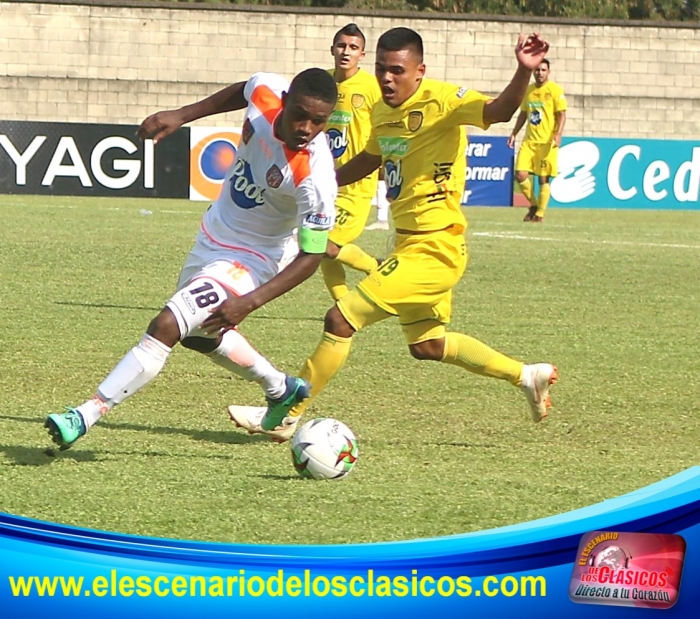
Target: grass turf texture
point(610, 296)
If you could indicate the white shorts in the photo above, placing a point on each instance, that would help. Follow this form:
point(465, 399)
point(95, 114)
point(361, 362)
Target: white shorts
point(238, 269)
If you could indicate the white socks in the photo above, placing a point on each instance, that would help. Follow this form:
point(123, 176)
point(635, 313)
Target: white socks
point(237, 355)
point(138, 368)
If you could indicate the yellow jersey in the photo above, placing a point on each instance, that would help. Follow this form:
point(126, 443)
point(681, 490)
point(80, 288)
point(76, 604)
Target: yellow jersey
point(541, 104)
point(348, 128)
point(423, 149)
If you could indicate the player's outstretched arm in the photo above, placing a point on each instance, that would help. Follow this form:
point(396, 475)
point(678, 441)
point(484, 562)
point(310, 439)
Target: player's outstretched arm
point(530, 51)
point(522, 117)
point(161, 124)
point(361, 165)
point(232, 311)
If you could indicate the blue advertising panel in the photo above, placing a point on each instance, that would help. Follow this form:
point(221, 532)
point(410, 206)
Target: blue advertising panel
point(489, 172)
point(637, 174)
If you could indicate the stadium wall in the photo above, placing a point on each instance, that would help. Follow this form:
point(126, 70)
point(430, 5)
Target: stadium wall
point(116, 62)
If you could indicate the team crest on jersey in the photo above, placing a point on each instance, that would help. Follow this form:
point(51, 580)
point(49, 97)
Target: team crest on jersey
point(357, 100)
point(461, 92)
point(415, 120)
point(274, 177)
point(247, 131)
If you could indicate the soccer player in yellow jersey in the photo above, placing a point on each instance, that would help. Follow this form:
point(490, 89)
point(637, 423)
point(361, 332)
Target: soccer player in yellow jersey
point(544, 110)
point(348, 131)
point(419, 140)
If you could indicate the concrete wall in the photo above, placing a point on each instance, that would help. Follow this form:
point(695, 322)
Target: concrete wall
point(98, 62)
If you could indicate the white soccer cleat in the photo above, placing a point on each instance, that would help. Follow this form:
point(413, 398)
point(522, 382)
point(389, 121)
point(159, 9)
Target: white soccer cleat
point(378, 225)
point(250, 417)
point(536, 381)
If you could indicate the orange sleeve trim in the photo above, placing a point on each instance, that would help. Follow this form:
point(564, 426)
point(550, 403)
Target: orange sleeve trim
point(267, 102)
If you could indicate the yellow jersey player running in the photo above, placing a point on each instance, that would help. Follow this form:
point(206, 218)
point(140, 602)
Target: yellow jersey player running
point(348, 131)
point(544, 110)
point(419, 140)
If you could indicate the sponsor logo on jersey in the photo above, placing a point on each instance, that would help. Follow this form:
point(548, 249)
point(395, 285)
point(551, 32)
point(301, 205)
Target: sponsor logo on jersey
point(357, 100)
point(337, 141)
point(318, 219)
point(244, 192)
point(415, 120)
point(340, 118)
point(274, 177)
point(535, 118)
point(393, 178)
point(247, 131)
point(393, 146)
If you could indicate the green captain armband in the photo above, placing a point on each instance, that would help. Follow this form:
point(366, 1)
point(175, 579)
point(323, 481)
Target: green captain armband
point(313, 241)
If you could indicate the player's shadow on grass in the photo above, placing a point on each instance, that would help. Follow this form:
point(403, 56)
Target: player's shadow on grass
point(157, 309)
point(223, 437)
point(36, 456)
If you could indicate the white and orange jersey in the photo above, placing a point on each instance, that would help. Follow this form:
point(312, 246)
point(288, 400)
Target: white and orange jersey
point(270, 189)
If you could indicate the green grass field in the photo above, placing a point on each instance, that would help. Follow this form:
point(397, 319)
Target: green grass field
point(611, 297)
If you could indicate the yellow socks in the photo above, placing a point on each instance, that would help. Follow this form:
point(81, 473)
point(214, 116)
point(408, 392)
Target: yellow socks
point(322, 365)
point(334, 278)
point(526, 188)
point(475, 356)
point(543, 200)
point(356, 258)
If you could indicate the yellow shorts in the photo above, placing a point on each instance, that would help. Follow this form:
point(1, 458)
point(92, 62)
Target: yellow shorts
point(538, 159)
point(414, 283)
point(350, 218)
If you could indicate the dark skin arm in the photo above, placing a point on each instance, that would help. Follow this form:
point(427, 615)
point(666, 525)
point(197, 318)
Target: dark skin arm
point(530, 51)
point(361, 165)
point(235, 309)
point(161, 124)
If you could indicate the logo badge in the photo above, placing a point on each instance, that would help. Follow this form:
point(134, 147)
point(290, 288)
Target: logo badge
point(247, 131)
point(415, 120)
point(274, 177)
point(357, 100)
point(628, 569)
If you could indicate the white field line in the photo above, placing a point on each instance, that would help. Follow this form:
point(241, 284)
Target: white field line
point(522, 237)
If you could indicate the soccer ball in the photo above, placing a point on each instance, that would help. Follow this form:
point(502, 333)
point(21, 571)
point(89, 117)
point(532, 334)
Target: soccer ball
point(324, 448)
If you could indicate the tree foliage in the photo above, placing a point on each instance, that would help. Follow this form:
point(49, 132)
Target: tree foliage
point(668, 10)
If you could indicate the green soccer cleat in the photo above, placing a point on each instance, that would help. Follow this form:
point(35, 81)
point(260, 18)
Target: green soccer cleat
point(65, 428)
point(297, 391)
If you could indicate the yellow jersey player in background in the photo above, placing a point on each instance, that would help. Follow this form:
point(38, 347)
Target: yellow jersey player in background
point(348, 130)
point(544, 110)
point(419, 140)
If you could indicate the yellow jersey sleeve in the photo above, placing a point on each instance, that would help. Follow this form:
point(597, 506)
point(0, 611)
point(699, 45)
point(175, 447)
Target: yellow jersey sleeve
point(466, 107)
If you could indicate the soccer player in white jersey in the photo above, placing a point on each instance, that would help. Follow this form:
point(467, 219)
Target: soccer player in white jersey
point(283, 178)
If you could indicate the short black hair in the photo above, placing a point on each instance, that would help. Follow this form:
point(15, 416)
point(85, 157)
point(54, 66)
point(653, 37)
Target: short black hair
point(398, 39)
point(546, 61)
point(315, 83)
point(350, 30)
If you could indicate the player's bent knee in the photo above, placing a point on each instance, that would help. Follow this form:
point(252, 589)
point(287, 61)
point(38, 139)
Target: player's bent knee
point(332, 250)
point(337, 324)
point(205, 345)
point(521, 176)
point(164, 328)
point(430, 350)
point(192, 305)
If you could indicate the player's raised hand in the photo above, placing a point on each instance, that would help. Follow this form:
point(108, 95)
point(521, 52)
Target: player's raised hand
point(160, 125)
point(531, 50)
